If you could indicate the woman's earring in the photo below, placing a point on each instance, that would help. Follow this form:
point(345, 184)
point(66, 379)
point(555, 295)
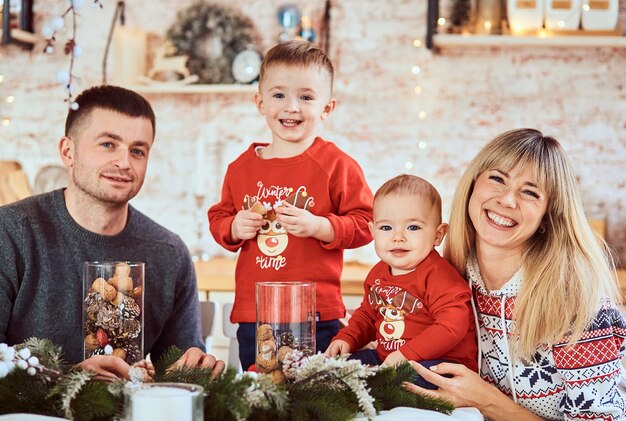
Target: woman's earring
point(542, 228)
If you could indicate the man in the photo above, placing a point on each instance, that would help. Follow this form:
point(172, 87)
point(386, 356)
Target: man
point(45, 239)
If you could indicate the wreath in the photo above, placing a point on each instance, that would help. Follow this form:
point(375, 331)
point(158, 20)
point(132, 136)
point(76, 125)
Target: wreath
point(211, 35)
point(35, 379)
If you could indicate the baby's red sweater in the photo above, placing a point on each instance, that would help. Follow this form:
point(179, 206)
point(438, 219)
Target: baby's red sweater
point(426, 314)
point(335, 187)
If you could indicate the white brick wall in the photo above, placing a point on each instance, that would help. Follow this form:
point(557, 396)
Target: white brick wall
point(469, 95)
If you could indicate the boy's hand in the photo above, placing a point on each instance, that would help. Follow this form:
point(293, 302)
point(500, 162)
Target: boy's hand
point(394, 359)
point(337, 347)
point(245, 225)
point(302, 223)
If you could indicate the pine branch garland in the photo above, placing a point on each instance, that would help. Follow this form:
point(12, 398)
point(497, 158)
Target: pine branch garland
point(321, 388)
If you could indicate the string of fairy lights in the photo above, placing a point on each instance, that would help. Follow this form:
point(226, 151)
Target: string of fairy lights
point(416, 70)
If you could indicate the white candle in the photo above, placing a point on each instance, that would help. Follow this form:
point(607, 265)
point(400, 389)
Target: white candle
point(129, 55)
point(161, 404)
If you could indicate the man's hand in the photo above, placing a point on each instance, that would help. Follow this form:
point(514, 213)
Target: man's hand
point(195, 357)
point(106, 367)
point(337, 347)
point(245, 225)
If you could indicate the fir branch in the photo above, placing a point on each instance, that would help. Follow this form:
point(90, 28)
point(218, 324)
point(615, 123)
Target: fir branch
point(169, 357)
point(95, 401)
point(22, 393)
point(321, 401)
point(225, 397)
point(49, 354)
point(68, 388)
point(185, 374)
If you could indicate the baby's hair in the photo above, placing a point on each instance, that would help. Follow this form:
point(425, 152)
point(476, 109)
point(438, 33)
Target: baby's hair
point(297, 53)
point(411, 185)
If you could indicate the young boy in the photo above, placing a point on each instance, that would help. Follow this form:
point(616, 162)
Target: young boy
point(293, 205)
point(416, 305)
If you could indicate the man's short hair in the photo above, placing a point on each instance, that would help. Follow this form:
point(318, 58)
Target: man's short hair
point(111, 98)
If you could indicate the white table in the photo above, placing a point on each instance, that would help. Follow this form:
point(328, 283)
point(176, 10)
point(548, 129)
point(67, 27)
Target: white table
point(395, 414)
point(403, 413)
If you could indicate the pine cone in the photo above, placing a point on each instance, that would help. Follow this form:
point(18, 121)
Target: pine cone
point(132, 353)
point(129, 308)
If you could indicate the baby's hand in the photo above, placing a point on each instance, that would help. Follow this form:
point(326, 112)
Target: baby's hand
point(245, 225)
point(394, 359)
point(298, 222)
point(337, 347)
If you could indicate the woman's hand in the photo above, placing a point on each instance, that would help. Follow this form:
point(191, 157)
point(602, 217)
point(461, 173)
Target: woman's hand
point(466, 388)
point(106, 367)
point(195, 357)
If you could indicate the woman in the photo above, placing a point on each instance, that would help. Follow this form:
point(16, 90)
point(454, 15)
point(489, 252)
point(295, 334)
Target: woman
point(544, 290)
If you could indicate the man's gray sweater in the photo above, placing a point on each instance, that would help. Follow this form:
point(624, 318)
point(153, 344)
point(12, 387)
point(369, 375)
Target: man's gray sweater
point(42, 250)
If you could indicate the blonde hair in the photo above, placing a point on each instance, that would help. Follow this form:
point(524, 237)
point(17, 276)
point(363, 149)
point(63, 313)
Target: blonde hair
point(406, 184)
point(567, 269)
point(297, 53)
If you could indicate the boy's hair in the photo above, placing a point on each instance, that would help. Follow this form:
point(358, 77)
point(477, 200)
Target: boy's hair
point(297, 53)
point(111, 98)
point(411, 185)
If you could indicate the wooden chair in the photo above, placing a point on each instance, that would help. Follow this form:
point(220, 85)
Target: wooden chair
point(230, 331)
point(14, 184)
point(207, 314)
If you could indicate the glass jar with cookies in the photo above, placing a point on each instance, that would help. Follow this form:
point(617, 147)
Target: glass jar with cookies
point(113, 309)
point(285, 321)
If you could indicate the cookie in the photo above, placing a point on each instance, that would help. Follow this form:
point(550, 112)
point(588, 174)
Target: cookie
point(254, 205)
point(282, 353)
point(267, 364)
point(264, 332)
point(300, 199)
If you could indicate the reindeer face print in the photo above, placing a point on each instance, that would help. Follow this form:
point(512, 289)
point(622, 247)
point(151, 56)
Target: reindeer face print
point(393, 325)
point(394, 304)
point(272, 238)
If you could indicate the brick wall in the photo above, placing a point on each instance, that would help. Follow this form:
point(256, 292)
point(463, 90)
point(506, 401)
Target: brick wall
point(469, 95)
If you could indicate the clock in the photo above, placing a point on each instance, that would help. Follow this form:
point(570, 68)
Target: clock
point(246, 65)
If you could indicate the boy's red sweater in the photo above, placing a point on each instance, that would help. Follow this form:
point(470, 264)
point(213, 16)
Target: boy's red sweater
point(335, 187)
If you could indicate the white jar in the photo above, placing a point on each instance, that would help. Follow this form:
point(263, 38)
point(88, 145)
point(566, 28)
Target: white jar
point(563, 14)
point(525, 15)
point(599, 15)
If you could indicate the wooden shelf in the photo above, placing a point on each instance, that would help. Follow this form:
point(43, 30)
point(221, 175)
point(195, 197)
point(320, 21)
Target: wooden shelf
point(458, 40)
point(194, 89)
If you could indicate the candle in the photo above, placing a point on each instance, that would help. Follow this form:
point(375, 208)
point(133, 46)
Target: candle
point(129, 54)
point(162, 404)
point(489, 17)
